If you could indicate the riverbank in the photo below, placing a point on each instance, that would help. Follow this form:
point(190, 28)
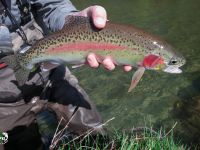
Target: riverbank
point(138, 139)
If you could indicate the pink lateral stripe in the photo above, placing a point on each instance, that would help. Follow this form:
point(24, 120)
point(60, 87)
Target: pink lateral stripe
point(84, 46)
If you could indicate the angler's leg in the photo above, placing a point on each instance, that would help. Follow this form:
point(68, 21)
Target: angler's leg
point(65, 90)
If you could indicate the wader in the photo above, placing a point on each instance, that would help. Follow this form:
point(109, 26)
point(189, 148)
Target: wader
point(56, 90)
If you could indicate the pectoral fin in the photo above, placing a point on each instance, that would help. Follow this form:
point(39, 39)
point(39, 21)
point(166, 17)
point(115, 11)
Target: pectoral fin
point(136, 78)
point(77, 66)
point(46, 66)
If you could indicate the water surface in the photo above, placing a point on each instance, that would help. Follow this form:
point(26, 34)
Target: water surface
point(160, 99)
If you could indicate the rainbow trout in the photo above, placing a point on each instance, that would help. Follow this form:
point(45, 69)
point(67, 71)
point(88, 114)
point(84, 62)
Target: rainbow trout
point(125, 45)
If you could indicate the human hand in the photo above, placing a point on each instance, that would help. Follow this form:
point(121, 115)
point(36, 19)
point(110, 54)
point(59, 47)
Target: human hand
point(99, 17)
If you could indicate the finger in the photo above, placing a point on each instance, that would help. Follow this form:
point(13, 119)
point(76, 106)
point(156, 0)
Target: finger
point(127, 68)
point(92, 61)
point(97, 13)
point(108, 63)
point(99, 16)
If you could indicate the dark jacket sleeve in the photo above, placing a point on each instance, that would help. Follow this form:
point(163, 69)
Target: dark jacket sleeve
point(52, 12)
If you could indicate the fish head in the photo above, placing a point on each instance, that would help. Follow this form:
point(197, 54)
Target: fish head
point(165, 58)
point(173, 60)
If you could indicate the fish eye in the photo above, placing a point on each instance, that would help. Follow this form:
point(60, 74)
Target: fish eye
point(174, 62)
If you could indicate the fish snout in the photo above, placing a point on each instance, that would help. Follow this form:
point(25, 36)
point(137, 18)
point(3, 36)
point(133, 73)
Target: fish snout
point(173, 65)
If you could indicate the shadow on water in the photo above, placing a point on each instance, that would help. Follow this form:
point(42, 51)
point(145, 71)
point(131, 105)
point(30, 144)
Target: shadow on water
point(187, 112)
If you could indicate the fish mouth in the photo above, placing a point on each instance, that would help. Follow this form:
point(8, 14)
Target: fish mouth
point(173, 69)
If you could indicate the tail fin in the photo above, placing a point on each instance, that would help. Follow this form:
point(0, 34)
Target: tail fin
point(11, 61)
point(21, 73)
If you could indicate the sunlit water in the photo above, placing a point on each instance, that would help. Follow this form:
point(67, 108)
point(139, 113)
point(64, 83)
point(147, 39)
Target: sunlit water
point(160, 99)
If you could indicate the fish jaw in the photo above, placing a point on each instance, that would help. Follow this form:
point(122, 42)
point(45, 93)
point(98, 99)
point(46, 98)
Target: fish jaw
point(173, 69)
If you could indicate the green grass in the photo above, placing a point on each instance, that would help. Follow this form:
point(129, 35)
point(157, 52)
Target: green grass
point(126, 140)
